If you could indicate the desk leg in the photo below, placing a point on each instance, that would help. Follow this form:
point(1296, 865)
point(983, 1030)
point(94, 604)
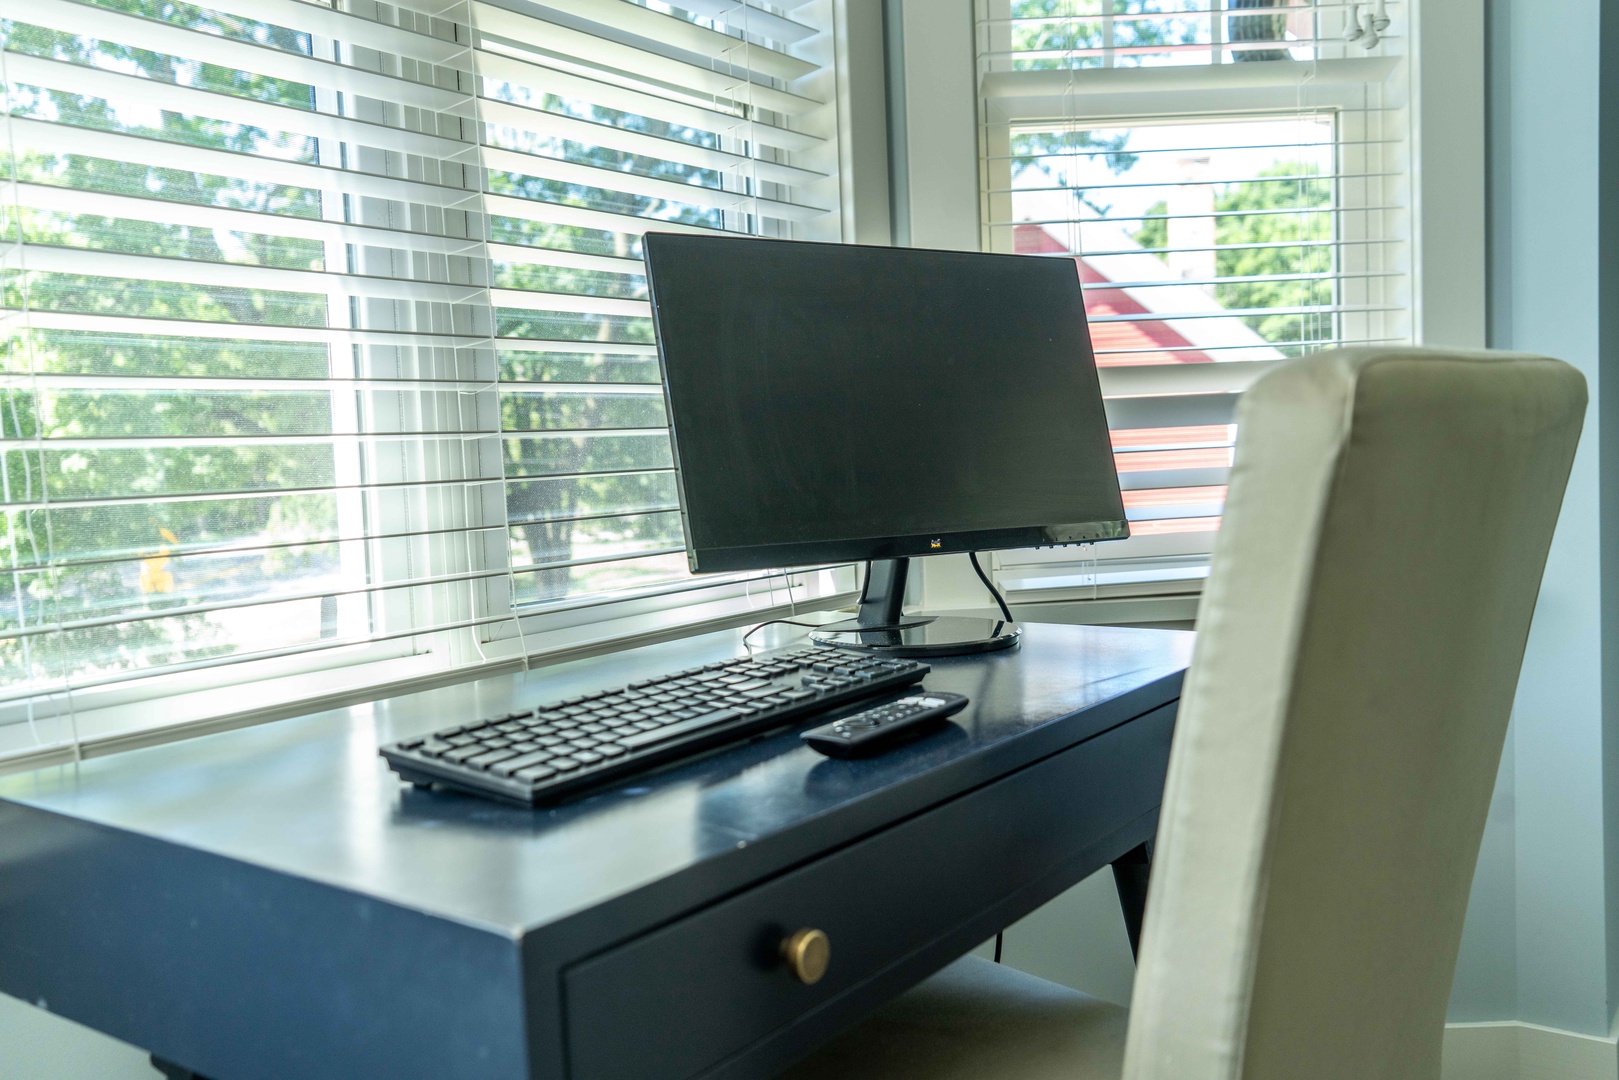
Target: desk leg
point(1130, 872)
point(172, 1071)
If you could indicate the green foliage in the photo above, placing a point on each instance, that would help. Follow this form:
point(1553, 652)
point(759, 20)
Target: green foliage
point(1073, 26)
point(1279, 213)
point(571, 517)
point(106, 557)
point(1048, 150)
point(1154, 231)
point(1077, 26)
point(1261, 227)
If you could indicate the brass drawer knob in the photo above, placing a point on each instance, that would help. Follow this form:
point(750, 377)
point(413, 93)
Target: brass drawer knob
point(807, 952)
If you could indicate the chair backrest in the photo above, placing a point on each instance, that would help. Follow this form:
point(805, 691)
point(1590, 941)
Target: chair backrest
point(1359, 643)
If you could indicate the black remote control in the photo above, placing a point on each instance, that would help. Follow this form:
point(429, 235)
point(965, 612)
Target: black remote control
point(871, 728)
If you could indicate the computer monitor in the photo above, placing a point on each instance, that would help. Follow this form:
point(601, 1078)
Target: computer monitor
point(833, 402)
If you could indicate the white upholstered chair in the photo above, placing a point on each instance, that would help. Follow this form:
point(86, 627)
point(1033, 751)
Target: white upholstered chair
point(1359, 643)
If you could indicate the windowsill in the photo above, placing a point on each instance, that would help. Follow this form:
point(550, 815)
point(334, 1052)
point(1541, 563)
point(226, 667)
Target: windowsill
point(130, 726)
point(1178, 610)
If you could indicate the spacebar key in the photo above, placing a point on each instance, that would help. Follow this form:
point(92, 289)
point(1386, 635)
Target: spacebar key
point(658, 735)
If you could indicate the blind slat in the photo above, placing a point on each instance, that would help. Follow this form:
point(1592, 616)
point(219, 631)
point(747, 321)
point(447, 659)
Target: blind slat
point(97, 322)
point(545, 122)
point(572, 260)
point(55, 138)
point(702, 115)
point(607, 179)
point(98, 21)
point(634, 65)
point(167, 211)
point(44, 258)
point(744, 15)
point(674, 33)
point(74, 78)
point(581, 217)
point(332, 23)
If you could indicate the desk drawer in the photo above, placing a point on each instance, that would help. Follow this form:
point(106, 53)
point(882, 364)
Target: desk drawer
point(681, 999)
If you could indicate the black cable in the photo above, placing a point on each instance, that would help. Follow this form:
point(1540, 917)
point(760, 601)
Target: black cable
point(1006, 612)
point(998, 937)
point(777, 622)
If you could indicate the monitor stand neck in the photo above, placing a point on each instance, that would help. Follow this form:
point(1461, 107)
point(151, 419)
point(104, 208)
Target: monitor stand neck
point(881, 626)
point(882, 601)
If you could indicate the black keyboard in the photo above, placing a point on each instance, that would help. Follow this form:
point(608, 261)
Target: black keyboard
point(581, 742)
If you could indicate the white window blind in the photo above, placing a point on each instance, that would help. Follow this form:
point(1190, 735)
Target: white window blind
point(603, 119)
point(1231, 177)
point(325, 325)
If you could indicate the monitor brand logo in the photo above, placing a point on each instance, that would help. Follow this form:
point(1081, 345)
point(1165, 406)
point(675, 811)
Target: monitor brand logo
point(935, 545)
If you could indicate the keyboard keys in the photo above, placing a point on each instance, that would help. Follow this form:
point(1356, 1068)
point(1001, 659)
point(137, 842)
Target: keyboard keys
point(605, 733)
point(493, 757)
point(670, 731)
point(518, 764)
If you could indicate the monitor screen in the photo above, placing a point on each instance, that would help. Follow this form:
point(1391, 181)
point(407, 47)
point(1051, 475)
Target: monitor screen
point(832, 401)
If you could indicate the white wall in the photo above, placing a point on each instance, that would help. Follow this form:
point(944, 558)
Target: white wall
point(1540, 943)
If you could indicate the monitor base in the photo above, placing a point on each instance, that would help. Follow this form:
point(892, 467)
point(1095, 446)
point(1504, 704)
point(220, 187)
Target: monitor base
point(851, 626)
point(945, 636)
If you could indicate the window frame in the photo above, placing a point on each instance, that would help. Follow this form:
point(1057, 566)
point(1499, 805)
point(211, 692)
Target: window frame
point(1445, 79)
point(1223, 93)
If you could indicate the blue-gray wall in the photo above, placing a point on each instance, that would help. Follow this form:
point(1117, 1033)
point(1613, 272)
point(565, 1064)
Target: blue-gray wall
point(1542, 940)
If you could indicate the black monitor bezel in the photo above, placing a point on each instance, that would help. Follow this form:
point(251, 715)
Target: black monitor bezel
point(714, 560)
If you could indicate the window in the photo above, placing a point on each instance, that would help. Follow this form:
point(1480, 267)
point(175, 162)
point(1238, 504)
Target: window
point(646, 118)
point(1233, 187)
point(326, 335)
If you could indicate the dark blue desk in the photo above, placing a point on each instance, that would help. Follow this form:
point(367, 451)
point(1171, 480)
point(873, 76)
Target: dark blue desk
point(270, 903)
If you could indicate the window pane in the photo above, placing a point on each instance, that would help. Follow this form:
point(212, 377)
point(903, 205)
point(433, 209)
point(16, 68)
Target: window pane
point(1079, 34)
point(186, 462)
point(1201, 242)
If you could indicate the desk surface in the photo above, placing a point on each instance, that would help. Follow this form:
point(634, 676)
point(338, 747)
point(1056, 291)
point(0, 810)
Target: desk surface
point(301, 820)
